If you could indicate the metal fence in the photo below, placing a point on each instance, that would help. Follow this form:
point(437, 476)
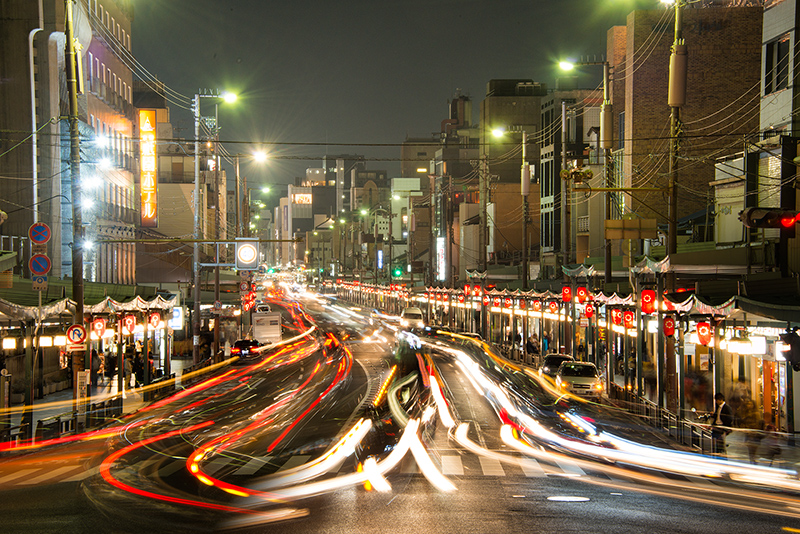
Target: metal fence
point(681, 430)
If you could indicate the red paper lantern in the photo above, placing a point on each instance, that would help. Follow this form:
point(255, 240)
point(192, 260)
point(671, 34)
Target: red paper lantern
point(648, 299)
point(566, 294)
point(461, 298)
point(99, 326)
point(508, 302)
point(476, 291)
point(496, 301)
point(486, 300)
point(467, 289)
point(129, 323)
point(537, 305)
point(669, 326)
point(582, 293)
point(521, 304)
point(553, 306)
point(154, 319)
point(616, 316)
point(589, 311)
point(704, 333)
point(628, 317)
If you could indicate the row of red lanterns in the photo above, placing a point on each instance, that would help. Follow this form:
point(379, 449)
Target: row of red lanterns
point(99, 324)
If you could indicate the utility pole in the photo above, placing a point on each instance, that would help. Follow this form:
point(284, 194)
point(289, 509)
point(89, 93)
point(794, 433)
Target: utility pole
point(483, 192)
point(565, 212)
point(79, 364)
point(606, 121)
point(197, 206)
point(525, 189)
point(675, 98)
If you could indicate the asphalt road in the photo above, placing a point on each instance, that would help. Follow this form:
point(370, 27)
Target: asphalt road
point(302, 410)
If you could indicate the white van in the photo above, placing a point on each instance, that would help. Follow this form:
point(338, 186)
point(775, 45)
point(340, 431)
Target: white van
point(412, 318)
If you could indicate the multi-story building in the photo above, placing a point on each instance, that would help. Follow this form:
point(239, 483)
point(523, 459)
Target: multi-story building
point(568, 114)
point(511, 107)
point(40, 188)
point(715, 120)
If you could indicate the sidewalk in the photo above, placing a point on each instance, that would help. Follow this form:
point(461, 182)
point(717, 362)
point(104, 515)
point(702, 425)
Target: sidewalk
point(61, 402)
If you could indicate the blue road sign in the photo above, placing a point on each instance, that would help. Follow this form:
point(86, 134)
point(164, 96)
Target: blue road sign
point(39, 233)
point(39, 264)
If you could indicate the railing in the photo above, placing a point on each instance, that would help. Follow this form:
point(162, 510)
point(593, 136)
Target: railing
point(684, 432)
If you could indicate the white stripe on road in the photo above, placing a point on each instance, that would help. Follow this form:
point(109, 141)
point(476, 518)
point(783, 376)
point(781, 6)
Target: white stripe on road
point(492, 467)
point(18, 474)
point(451, 465)
point(51, 474)
point(252, 466)
point(531, 468)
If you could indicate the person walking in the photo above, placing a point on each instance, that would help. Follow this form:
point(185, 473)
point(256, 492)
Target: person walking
point(721, 421)
point(128, 367)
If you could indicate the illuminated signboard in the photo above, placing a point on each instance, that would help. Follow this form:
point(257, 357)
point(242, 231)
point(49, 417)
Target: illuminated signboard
point(301, 198)
point(147, 162)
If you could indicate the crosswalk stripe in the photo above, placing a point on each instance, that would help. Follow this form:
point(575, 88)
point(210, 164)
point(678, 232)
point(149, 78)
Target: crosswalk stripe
point(294, 461)
point(252, 466)
point(451, 465)
point(492, 467)
point(50, 474)
point(570, 468)
point(409, 466)
point(82, 475)
point(531, 468)
point(18, 474)
point(215, 465)
point(171, 468)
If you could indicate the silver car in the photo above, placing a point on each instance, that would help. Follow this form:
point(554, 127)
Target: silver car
point(580, 378)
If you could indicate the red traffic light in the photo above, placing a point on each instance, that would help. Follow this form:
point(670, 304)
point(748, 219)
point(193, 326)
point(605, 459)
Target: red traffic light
point(768, 217)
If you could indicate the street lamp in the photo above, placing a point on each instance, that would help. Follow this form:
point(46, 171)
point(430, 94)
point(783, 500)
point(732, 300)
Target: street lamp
point(605, 143)
point(259, 157)
point(227, 97)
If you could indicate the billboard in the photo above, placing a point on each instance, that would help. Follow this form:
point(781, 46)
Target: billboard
point(148, 178)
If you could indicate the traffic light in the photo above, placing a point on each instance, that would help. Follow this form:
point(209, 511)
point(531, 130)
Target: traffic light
point(397, 271)
point(792, 351)
point(769, 218)
point(247, 255)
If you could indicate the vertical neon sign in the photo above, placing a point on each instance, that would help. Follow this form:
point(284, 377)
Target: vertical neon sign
point(147, 162)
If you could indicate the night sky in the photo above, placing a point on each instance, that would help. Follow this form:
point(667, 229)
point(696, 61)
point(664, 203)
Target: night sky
point(349, 72)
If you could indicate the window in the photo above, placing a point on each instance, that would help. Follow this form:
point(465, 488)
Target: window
point(776, 65)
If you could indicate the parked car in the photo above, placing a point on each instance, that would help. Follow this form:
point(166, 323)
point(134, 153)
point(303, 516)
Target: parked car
point(551, 362)
point(412, 318)
point(247, 350)
point(580, 378)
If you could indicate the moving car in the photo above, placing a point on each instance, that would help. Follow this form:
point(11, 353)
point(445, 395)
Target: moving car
point(247, 350)
point(580, 378)
point(551, 363)
point(412, 318)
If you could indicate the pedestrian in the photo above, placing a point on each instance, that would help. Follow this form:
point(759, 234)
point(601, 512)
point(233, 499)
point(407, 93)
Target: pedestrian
point(95, 363)
point(138, 370)
point(128, 370)
point(101, 371)
point(110, 365)
point(721, 421)
point(747, 416)
point(771, 445)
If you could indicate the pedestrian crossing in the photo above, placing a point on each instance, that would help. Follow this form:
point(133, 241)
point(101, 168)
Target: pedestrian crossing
point(453, 463)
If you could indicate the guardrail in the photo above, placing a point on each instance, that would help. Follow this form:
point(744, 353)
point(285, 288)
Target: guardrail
point(684, 432)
